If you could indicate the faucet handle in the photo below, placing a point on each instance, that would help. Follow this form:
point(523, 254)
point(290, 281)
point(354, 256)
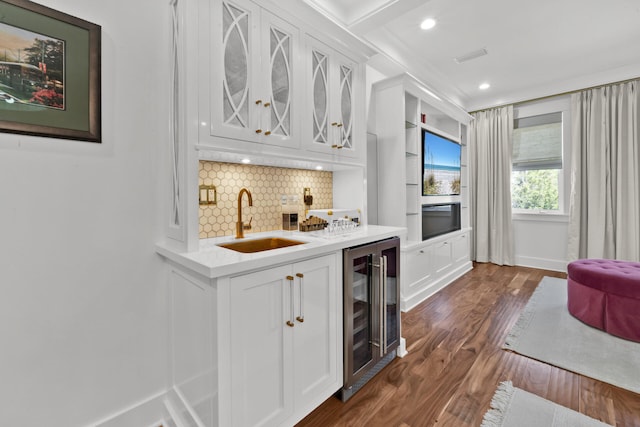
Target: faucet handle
point(247, 226)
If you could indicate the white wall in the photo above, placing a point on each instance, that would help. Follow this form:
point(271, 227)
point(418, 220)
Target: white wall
point(82, 303)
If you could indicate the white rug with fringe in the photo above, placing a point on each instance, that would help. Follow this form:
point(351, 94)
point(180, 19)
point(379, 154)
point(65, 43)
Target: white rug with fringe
point(547, 332)
point(513, 407)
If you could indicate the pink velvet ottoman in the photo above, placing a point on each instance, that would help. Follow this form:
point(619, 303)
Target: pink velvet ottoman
point(605, 294)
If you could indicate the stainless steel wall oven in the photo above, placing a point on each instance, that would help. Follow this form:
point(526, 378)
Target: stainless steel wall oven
point(371, 311)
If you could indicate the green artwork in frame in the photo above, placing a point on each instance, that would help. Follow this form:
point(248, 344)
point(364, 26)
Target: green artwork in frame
point(49, 73)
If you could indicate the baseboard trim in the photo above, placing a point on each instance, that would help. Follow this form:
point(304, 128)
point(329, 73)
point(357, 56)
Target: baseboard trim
point(411, 301)
point(542, 263)
point(148, 412)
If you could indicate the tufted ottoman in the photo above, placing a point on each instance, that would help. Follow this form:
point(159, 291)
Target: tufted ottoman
point(605, 294)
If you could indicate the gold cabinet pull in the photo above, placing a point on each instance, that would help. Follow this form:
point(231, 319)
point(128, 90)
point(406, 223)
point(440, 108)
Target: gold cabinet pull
point(300, 318)
point(267, 104)
point(258, 130)
point(259, 101)
point(291, 312)
point(268, 133)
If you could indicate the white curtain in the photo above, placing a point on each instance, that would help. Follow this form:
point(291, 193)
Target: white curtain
point(490, 184)
point(605, 202)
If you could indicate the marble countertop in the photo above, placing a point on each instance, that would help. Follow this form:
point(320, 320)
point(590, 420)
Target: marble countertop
point(213, 261)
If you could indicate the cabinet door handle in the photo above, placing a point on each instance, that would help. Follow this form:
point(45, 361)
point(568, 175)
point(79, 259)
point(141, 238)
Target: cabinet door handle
point(380, 267)
point(290, 322)
point(384, 304)
point(301, 317)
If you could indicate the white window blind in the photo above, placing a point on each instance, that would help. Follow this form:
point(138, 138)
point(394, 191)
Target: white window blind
point(537, 142)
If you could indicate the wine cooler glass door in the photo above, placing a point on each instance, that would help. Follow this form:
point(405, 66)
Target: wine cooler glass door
point(390, 263)
point(359, 312)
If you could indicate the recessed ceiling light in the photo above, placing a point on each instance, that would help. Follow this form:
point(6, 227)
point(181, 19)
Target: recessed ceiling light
point(428, 24)
point(484, 86)
point(245, 161)
point(318, 168)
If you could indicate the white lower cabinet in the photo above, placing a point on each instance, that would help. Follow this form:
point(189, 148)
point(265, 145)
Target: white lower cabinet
point(431, 265)
point(285, 335)
point(258, 349)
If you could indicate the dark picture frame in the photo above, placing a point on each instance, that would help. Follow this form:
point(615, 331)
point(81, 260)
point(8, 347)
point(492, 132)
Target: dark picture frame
point(50, 73)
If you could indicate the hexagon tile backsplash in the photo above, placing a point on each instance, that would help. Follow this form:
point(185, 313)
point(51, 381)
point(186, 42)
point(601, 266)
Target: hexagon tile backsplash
point(267, 184)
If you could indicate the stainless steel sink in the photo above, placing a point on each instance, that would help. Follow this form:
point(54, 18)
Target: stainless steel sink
point(259, 245)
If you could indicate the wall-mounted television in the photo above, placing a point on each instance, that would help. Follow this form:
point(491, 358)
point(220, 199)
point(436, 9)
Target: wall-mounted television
point(441, 165)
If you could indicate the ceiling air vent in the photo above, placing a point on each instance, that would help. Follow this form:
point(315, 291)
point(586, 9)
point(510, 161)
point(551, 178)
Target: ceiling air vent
point(471, 55)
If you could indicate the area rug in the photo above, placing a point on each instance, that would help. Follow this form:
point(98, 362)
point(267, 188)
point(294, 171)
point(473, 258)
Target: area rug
point(513, 407)
point(547, 332)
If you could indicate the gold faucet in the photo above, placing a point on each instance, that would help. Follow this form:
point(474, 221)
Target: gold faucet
point(239, 226)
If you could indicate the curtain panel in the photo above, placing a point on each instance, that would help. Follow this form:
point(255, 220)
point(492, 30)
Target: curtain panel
point(604, 215)
point(490, 145)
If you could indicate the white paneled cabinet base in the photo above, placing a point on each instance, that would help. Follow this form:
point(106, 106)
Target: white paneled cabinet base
point(431, 265)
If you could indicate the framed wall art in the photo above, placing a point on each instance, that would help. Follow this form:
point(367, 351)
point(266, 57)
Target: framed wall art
point(49, 73)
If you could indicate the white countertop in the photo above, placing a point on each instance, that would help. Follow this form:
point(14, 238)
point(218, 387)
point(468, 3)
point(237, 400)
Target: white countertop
point(213, 261)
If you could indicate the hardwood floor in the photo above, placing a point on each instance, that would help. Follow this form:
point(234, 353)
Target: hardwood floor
point(455, 363)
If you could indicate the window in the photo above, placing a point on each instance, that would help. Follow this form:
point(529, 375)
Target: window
point(536, 177)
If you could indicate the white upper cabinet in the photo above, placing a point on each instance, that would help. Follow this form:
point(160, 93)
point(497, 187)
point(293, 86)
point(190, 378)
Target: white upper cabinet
point(332, 81)
point(271, 82)
point(254, 77)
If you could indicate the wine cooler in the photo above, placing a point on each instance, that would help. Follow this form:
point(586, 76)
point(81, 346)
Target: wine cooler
point(371, 311)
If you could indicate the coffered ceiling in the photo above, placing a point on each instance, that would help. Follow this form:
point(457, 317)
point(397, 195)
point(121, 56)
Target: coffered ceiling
point(534, 48)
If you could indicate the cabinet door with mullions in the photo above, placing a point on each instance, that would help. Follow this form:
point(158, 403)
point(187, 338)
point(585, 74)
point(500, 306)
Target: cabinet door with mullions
point(238, 67)
point(331, 79)
point(253, 75)
point(279, 120)
point(320, 104)
point(346, 107)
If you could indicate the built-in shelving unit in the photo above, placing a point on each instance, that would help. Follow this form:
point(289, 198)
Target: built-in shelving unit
point(404, 107)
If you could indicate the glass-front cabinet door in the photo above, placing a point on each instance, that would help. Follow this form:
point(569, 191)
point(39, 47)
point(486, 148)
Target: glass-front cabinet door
point(320, 98)
point(330, 99)
point(279, 120)
point(253, 74)
point(235, 61)
point(345, 116)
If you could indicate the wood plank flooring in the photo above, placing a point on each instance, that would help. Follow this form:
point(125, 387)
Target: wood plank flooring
point(455, 363)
